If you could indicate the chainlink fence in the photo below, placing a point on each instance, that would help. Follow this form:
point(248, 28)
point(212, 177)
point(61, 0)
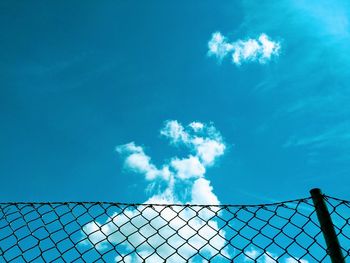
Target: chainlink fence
point(114, 232)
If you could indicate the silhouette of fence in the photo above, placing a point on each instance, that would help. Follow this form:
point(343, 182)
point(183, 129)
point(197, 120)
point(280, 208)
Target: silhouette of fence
point(114, 232)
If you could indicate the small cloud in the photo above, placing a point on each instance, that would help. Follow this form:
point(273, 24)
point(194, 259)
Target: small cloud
point(196, 126)
point(258, 50)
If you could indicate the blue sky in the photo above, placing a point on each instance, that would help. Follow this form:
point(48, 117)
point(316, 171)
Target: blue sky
point(79, 80)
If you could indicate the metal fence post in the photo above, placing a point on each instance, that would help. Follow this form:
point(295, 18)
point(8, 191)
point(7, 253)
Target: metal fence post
point(327, 227)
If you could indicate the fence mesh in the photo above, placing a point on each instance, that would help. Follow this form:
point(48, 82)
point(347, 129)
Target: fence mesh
point(114, 232)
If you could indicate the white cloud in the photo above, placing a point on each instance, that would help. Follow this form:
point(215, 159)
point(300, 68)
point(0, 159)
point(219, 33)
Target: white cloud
point(96, 234)
point(174, 233)
point(260, 50)
point(188, 168)
point(175, 132)
point(196, 126)
point(204, 143)
point(167, 228)
point(269, 47)
point(202, 193)
point(138, 162)
point(245, 50)
point(218, 46)
point(208, 149)
point(251, 254)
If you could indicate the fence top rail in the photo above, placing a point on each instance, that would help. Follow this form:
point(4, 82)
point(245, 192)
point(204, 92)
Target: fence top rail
point(306, 199)
point(158, 204)
point(336, 199)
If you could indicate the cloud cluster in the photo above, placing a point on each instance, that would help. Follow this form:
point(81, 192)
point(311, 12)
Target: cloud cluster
point(179, 180)
point(177, 234)
point(258, 50)
point(205, 145)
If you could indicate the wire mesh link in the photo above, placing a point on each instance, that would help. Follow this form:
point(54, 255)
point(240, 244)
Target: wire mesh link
point(114, 232)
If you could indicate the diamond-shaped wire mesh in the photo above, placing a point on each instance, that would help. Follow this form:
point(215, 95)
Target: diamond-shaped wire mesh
point(114, 232)
point(340, 214)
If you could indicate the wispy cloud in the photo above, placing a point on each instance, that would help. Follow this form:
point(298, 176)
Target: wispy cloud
point(336, 136)
point(259, 50)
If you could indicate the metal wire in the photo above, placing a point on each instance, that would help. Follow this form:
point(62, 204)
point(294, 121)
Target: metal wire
point(118, 232)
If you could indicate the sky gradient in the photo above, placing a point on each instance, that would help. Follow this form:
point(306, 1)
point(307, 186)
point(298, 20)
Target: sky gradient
point(79, 80)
